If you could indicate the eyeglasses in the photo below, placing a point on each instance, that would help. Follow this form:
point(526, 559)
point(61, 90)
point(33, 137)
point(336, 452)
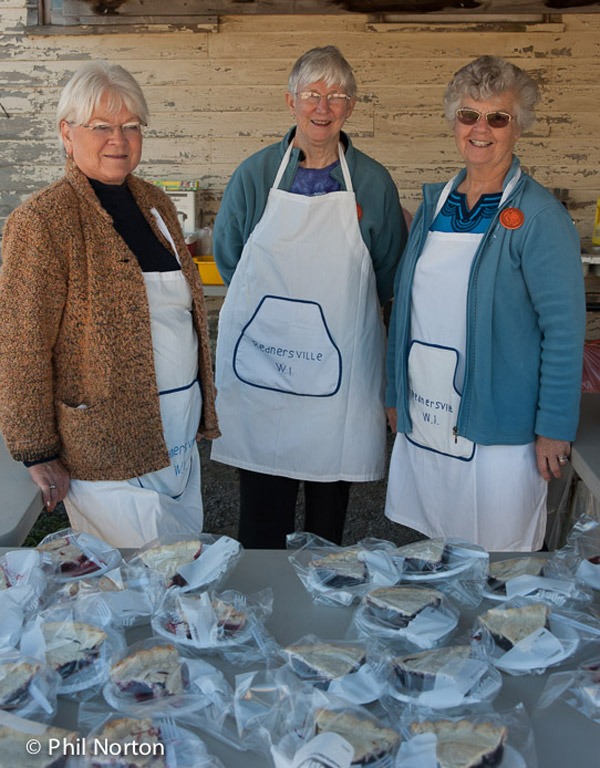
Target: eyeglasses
point(314, 98)
point(494, 119)
point(105, 130)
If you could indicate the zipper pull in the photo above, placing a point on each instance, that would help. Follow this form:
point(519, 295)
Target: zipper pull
point(455, 431)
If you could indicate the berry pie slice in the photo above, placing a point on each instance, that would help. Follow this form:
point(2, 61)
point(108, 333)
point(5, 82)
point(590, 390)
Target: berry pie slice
point(370, 740)
point(400, 605)
point(419, 670)
point(166, 559)
point(325, 661)
point(230, 621)
point(71, 646)
point(340, 569)
point(73, 562)
point(150, 674)
point(503, 570)
point(508, 626)
point(15, 678)
point(130, 733)
point(464, 744)
point(426, 556)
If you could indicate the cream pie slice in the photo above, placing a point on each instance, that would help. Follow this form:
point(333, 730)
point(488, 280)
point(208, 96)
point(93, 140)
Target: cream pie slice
point(464, 744)
point(71, 646)
point(508, 626)
point(149, 673)
point(340, 569)
point(166, 559)
point(370, 741)
point(325, 661)
point(400, 605)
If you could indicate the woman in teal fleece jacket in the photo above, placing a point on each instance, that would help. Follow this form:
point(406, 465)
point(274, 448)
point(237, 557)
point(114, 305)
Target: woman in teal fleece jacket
point(486, 336)
point(308, 237)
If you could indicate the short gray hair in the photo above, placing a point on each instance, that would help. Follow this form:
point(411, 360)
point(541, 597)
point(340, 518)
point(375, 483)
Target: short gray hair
point(322, 64)
point(489, 76)
point(82, 94)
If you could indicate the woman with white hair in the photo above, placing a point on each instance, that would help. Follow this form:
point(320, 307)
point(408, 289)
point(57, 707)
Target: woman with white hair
point(486, 335)
point(307, 237)
point(105, 371)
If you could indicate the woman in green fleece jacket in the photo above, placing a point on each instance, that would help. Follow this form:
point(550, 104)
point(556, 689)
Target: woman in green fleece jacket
point(308, 238)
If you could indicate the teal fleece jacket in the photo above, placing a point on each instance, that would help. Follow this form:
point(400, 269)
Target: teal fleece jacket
point(525, 322)
point(382, 223)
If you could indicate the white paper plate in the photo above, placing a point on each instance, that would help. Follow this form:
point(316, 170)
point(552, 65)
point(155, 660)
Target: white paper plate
point(566, 634)
point(444, 572)
point(425, 640)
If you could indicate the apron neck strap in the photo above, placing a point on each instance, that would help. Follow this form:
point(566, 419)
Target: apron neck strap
point(505, 194)
point(286, 159)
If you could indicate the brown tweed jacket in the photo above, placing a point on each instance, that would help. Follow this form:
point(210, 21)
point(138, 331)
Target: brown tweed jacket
point(75, 329)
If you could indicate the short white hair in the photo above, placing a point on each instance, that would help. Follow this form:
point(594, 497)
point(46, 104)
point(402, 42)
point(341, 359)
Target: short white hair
point(93, 80)
point(489, 76)
point(326, 64)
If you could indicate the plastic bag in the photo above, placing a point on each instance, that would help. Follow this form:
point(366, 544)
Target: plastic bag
point(187, 563)
point(28, 688)
point(505, 737)
point(579, 689)
point(457, 567)
point(338, 667)
point(130, 593)
point(341, 575)
point(73, 644)
point(525, 636)
point(153, 678)
point(168, 741)
point(17, 732)
point(411, 617)
point(228, 623)
point(71, 554)
point(445, 678)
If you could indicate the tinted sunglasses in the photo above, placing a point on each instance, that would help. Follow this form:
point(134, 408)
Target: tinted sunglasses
point(494, 119)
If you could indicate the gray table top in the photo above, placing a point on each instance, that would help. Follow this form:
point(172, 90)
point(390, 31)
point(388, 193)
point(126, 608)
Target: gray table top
point(563, 736)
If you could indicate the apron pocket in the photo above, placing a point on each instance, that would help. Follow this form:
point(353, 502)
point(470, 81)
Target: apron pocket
point(287, 347)
point(434, 400)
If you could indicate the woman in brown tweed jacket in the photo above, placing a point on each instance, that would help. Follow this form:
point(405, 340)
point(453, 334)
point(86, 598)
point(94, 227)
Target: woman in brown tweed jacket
point(105, 371)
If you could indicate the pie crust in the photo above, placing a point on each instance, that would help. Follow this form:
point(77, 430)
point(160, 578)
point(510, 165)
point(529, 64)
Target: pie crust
point(166, 559)
point(325, 661)
point(508, 626)
point(400, 605)
point(149, 674)
point(73, 562)
point(71, 646)
point(464, 744)
point(370, 740)
point(15, 678)
point(14, 753)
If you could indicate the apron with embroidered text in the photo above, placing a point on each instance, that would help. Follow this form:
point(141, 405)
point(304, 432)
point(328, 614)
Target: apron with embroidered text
point(128, 513)
point(300, 350)
point(441, 484)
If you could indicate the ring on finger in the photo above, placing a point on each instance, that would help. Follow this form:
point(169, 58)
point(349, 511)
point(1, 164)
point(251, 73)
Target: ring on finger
point(563, 460)
point(53, 487)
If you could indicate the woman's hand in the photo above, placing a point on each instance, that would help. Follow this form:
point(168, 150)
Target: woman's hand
point(551, 456)
point(53, 480)
point(391, 414)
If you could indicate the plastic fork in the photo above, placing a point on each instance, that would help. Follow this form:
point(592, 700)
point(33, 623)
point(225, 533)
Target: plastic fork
point(170, 736)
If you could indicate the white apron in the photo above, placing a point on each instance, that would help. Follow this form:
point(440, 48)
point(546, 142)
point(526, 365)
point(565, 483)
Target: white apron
point(439, 483)
point(300, 350)
point(128, 513)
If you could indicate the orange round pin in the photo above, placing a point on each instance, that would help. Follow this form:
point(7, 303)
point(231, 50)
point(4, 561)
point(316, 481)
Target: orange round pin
point(512, 218)
point(359, 211)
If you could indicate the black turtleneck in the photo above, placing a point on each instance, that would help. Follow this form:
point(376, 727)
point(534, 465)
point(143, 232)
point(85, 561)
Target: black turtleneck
point(129, 221)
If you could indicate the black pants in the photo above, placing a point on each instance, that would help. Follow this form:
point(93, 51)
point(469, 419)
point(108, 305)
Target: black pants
point(268, 509)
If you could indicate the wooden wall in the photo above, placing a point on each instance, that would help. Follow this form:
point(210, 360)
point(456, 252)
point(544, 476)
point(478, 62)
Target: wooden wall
point(216, 94)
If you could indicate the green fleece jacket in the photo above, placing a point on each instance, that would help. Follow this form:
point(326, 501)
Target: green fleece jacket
point(381, 221)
